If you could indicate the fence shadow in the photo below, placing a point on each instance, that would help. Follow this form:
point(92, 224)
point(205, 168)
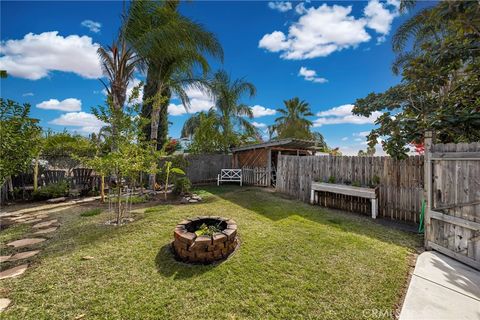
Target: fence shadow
point(276, 206)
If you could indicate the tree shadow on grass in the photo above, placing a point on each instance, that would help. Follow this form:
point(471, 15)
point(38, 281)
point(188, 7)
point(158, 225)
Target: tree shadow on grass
point(276, 206)
point(168, 266)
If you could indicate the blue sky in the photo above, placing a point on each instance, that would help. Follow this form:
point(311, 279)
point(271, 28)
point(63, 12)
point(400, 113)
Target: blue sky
point(327, 53)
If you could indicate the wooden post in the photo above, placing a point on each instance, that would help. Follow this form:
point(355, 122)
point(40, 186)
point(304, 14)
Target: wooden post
point(269, 167)
point(428, 186)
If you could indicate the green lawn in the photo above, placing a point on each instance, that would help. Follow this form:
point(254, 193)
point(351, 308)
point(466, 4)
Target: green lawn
point(294, 261)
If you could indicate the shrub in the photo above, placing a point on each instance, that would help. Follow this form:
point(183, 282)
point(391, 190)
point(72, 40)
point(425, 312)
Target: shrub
point(138, 199)
point(355, 184)
point(331, 179)
point(375, 181)
point(53, 190)
point(91, 212)
point(182, 185)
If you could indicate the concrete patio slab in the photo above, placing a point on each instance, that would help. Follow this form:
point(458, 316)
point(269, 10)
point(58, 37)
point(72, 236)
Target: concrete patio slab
point(442, 288)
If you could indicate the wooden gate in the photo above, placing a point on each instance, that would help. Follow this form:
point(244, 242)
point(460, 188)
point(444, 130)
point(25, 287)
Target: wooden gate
point(256, 176)
point(452, 216)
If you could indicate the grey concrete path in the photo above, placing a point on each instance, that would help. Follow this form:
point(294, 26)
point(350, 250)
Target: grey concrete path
point(442, 288)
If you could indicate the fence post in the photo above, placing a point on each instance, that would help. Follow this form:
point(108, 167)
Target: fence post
point(427, 187)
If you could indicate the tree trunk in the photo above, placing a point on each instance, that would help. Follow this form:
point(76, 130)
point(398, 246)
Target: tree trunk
point(162, 135)
point(35, 174)
point(153, 138)
point(119, 203)
point(102, 188)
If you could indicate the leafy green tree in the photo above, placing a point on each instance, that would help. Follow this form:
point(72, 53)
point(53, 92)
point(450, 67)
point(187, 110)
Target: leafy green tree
point(19, 135)
point(207, 137)
point(438, 59)
point(171, 47)
point(229, 117)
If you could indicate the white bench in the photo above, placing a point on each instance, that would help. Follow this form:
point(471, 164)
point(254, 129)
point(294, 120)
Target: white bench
point(231, 175)
point(368, 193)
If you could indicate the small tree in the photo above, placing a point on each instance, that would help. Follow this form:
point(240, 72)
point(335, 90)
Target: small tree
point(19, 135)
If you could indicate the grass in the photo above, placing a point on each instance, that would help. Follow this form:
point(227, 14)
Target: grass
point(295, 261)
point(91, 212)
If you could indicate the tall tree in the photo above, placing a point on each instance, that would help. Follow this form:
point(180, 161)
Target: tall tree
point(172, 47)
point(293, 122)
point(118, 64)
point(230, 113)
point(438, 59)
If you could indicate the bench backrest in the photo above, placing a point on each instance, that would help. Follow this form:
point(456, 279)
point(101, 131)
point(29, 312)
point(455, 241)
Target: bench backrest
point(231, 174)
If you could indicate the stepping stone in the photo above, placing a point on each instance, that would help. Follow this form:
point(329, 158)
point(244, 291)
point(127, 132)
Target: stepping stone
point(4, 258)
point(56, 200)
point(45, 224)
point(43, 231)
point(25, 242)
point(4, 303)
point(29, 221)
point(23, 255)
point(13, 272)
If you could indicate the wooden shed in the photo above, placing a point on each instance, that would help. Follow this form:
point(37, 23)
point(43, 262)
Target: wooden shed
point(259, 161)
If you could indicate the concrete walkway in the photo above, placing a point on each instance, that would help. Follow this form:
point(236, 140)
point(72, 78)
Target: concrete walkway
point(442, 288)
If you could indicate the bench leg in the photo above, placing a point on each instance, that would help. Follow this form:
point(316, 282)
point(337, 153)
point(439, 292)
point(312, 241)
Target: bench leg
point(374, 208)
point(312, 197)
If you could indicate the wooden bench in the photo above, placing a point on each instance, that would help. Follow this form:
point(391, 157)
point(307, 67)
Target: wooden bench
point(361, 192)
point(230, 175)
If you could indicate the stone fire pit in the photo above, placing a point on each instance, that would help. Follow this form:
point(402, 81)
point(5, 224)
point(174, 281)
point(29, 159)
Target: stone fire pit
point(189, 247)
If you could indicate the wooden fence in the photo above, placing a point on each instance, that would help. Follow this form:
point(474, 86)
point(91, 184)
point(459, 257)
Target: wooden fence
point(452, 220)
point(205, 168)
point(255, 176)
point(400, 188)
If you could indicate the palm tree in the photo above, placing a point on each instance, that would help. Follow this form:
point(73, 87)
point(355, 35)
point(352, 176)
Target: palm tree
point(230, 113)
point(293, 122)
point(271, 130)
point(192, 123)
point(118, 64)
point(171, 47)
point(432, 23)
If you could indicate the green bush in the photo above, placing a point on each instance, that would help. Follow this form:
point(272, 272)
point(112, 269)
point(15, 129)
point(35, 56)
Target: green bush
point(331, 179)
point(53, 190)
point(182, 185)
point(91, 212)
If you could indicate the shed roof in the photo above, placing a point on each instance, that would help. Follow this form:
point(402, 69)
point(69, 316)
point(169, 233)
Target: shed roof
point(286, 143)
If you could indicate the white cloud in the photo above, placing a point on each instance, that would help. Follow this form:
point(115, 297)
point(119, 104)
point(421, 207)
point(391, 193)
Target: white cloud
point(353, 150)
point(28, 94)
point(311, 75)
point(326, 29)
point(342, 115)
point(282, 6)
point(199, 101)
point(358, 139)
point(318, 33)
point(300, 8)
point(274, 42)
point(379, 18)
point(361, 134)
point(259, 111)
point(81, 121)
point(93, 26)
point(34, 56)
point(344, 138)
point(259, 124)
point(70, 104)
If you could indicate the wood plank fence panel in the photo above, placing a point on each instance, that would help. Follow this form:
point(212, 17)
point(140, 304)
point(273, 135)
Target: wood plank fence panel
point(400, 189)
point(205, 168)
point(454, 217)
